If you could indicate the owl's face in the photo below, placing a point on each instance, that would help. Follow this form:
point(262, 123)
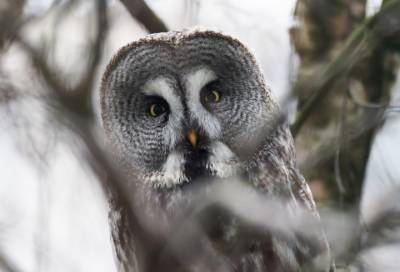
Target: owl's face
point(181, 106)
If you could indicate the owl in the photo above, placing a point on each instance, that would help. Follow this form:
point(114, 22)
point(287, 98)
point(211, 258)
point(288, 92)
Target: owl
point(185, 109)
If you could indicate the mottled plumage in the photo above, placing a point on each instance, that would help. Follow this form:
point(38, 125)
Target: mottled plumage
point(160, 89)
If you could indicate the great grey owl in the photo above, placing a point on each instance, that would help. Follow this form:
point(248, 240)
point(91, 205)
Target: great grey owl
point(184, 107)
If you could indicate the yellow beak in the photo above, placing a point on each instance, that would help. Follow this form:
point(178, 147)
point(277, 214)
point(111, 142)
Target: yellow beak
point(192, 137)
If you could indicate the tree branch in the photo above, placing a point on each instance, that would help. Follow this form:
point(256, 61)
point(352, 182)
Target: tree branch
point(6, 264)
point(145, 15)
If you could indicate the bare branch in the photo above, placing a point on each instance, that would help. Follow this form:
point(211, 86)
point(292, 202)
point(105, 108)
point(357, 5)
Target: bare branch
point(145, 15)
point(6, 264)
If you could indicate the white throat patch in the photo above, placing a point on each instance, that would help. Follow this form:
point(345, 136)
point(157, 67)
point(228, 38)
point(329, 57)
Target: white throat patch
point(171, 173)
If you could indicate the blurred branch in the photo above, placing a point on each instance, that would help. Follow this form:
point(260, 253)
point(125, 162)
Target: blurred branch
point(11, 12)
point(367, 121)
point(39, 62)
point(83, 90)
point(233, 198)
point(145, 15)
point(6, 264)
point(77, 99)
point(113, 182)
point(7, 91)
point(370, 35)
point(72, 109)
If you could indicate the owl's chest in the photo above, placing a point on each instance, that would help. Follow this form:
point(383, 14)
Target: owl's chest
point(247, 248)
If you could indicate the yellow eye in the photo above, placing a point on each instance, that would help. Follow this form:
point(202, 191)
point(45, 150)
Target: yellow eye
point(213, 96)
point(156, 109)
point(217, 96)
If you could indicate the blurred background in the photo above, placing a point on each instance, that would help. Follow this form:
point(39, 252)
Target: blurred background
point(331, 64)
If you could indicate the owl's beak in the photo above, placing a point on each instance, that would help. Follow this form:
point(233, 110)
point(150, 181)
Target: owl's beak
point(192, 137)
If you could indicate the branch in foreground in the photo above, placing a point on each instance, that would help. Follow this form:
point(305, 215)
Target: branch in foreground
point(72, 110)
point(6, 264)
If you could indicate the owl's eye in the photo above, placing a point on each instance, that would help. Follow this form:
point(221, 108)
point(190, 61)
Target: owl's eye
point(210, 93)
point(156, 110)
point(213, 96)
point(157, 107)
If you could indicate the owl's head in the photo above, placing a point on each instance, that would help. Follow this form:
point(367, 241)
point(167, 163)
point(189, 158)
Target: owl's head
point(183, 105)
point(180, 107)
